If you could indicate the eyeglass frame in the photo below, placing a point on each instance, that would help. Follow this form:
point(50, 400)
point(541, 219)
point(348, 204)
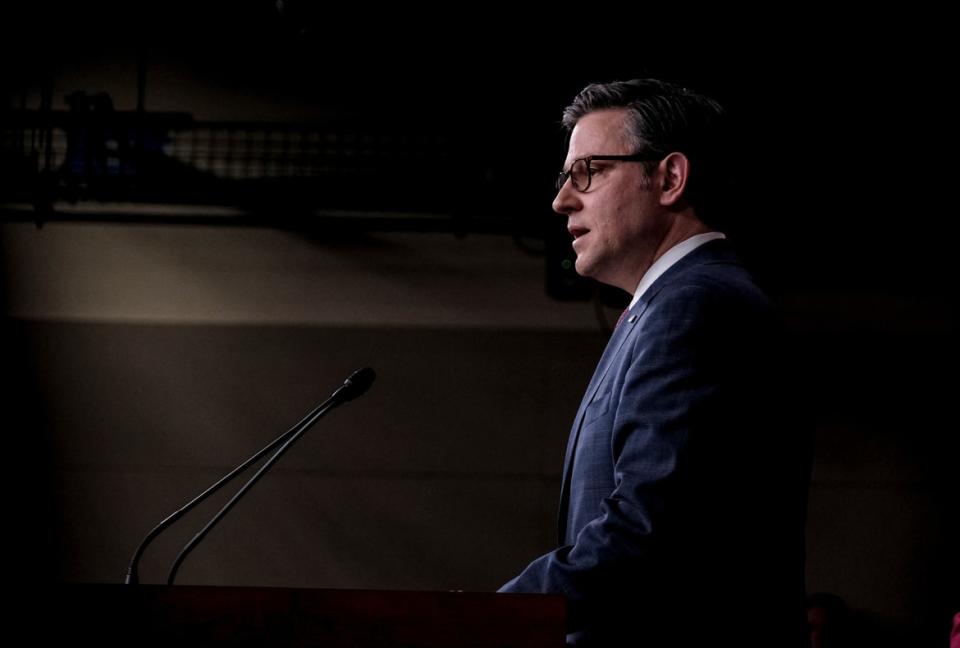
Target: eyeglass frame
point(563, 176)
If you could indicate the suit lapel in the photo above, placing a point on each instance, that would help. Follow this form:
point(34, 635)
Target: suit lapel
point(713, 251)
point(620, 335)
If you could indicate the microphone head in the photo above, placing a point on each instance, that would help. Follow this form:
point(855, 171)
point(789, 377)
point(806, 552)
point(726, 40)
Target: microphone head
point(357, 384)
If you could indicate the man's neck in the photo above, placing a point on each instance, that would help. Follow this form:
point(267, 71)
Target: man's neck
point(685, 226)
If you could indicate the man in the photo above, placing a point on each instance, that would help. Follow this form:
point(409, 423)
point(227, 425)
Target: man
point(684, 484)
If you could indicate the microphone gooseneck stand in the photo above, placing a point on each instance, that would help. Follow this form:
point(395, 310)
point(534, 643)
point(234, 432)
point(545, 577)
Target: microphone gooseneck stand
point(354, 386)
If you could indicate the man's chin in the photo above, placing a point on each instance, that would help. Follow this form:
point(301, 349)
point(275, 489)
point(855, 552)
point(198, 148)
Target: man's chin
point(589, 271)
point(585, 268)
point(582, 268)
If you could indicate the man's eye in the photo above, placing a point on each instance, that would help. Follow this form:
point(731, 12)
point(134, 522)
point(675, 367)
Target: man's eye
point(595, 170)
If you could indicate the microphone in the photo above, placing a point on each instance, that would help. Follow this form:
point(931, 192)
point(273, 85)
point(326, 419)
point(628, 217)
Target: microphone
point(355, 385)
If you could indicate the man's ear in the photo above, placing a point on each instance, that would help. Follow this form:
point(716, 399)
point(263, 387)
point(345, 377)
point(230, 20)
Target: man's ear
point(675, 170)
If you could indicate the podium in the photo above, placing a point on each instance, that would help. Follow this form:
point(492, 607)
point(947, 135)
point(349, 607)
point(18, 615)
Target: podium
point(154, 615)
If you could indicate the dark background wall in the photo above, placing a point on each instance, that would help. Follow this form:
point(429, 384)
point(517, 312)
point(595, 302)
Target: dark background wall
point(142, 361)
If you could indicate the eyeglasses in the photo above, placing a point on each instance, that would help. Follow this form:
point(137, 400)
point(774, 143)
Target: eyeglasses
point(580, 173)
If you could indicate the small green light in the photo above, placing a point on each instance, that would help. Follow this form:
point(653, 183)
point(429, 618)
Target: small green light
point(566, 264)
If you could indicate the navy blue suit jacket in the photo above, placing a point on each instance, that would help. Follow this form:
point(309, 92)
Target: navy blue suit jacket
point(684, 485)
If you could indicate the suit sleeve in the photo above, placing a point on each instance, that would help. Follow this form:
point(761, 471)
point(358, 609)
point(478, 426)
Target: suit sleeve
point(665, 384)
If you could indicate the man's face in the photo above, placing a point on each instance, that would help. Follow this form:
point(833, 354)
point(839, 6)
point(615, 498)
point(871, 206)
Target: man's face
point(617, 224)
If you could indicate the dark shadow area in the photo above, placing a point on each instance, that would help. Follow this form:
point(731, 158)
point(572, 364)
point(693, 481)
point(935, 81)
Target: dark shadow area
point(367, 124)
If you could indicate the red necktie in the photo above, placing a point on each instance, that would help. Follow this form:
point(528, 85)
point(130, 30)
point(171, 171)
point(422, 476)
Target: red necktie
point(622, 315)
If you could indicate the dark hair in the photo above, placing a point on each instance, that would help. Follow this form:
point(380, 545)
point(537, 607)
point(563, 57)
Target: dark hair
point(665, 118)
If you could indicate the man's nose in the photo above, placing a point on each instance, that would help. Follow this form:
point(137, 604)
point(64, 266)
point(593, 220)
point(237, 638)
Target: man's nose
point(567, 200)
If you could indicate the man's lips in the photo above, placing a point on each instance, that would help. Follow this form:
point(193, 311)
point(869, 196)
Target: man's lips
point(577, 232)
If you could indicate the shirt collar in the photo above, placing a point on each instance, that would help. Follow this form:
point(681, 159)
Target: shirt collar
point(671, 256)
